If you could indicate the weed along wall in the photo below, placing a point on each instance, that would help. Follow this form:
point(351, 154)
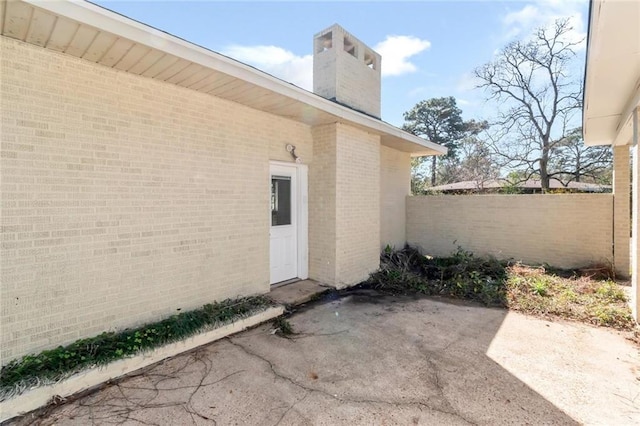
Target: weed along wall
point(563, 230)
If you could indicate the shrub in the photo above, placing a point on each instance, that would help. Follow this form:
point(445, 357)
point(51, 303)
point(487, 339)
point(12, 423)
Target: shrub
point(577, 295)
point(461, 275)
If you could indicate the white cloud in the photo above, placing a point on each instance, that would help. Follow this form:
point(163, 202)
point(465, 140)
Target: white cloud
point(527, 17)
point(396, 51)
point(284, 64)
point(542, 13)
point(277, 61)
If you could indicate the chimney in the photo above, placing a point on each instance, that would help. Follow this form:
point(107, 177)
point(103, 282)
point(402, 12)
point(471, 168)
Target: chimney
point(346, 71)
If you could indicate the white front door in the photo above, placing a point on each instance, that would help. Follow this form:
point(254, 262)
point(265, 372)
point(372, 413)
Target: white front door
point(284, 217)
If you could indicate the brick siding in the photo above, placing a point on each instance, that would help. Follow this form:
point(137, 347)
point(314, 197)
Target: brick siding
point(563, 230)
point(395, 186)
point(125, 199)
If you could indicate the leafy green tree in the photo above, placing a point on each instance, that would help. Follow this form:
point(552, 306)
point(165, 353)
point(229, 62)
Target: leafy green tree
point(418, 175)
point(439, 120)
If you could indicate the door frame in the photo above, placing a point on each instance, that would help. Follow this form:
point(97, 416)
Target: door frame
point(302, 214)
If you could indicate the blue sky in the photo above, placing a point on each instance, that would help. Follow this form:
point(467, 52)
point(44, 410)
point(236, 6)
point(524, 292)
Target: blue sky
point(429, 48)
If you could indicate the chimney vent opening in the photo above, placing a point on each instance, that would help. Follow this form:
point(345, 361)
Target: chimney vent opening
point(370, 60)
point(350, 47)
point(346, 70)
point(324, 42)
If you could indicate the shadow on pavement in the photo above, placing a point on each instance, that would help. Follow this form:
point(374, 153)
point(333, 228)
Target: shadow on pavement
point(357, 357)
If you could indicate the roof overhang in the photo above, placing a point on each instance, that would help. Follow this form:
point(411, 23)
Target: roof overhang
point(612, 75)
point(95, 34)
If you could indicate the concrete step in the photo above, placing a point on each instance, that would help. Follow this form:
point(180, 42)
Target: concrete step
point(297, 292)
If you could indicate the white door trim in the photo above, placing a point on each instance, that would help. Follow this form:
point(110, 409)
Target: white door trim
point(302, 214)
point(303, 221)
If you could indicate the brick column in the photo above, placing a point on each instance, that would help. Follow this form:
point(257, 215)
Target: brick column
point(322, 205)
point(621, 212)
point(635, 223)
point(344, 205)
point(634, 242)
point(357, 205)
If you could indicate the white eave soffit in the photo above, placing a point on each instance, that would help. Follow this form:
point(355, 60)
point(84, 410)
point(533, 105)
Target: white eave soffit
point(612, 86)
point(88, 31)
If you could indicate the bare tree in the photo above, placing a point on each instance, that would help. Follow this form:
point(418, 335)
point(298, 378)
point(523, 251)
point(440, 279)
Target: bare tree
point(474, 163)
point(537, 99)
point(573, 161)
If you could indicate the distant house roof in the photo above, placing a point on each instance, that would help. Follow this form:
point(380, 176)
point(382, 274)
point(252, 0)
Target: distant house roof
point(472, 185)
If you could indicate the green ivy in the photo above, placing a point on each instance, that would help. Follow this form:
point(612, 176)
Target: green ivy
point(55, 364)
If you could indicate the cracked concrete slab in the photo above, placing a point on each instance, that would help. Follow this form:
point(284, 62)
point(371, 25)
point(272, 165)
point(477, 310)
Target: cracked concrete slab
point(373, 359)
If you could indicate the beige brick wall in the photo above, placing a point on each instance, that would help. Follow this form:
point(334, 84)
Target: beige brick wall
point(322, 205)
point(358, 86)
point(344, 205)
point(340, 75)
point(324, 74)
point(635, 229)
point(563, 230)
point(621, 208)
point(357, 205)
point(125, 199)
point(395, 186)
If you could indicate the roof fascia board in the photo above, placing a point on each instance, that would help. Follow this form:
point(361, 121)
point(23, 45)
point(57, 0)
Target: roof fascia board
point(121, 26)
point(624, 133)
point(592, 30)
point(593, 19)
point(624, 125)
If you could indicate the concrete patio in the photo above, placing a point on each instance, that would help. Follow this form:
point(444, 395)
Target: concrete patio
point(372, 359)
